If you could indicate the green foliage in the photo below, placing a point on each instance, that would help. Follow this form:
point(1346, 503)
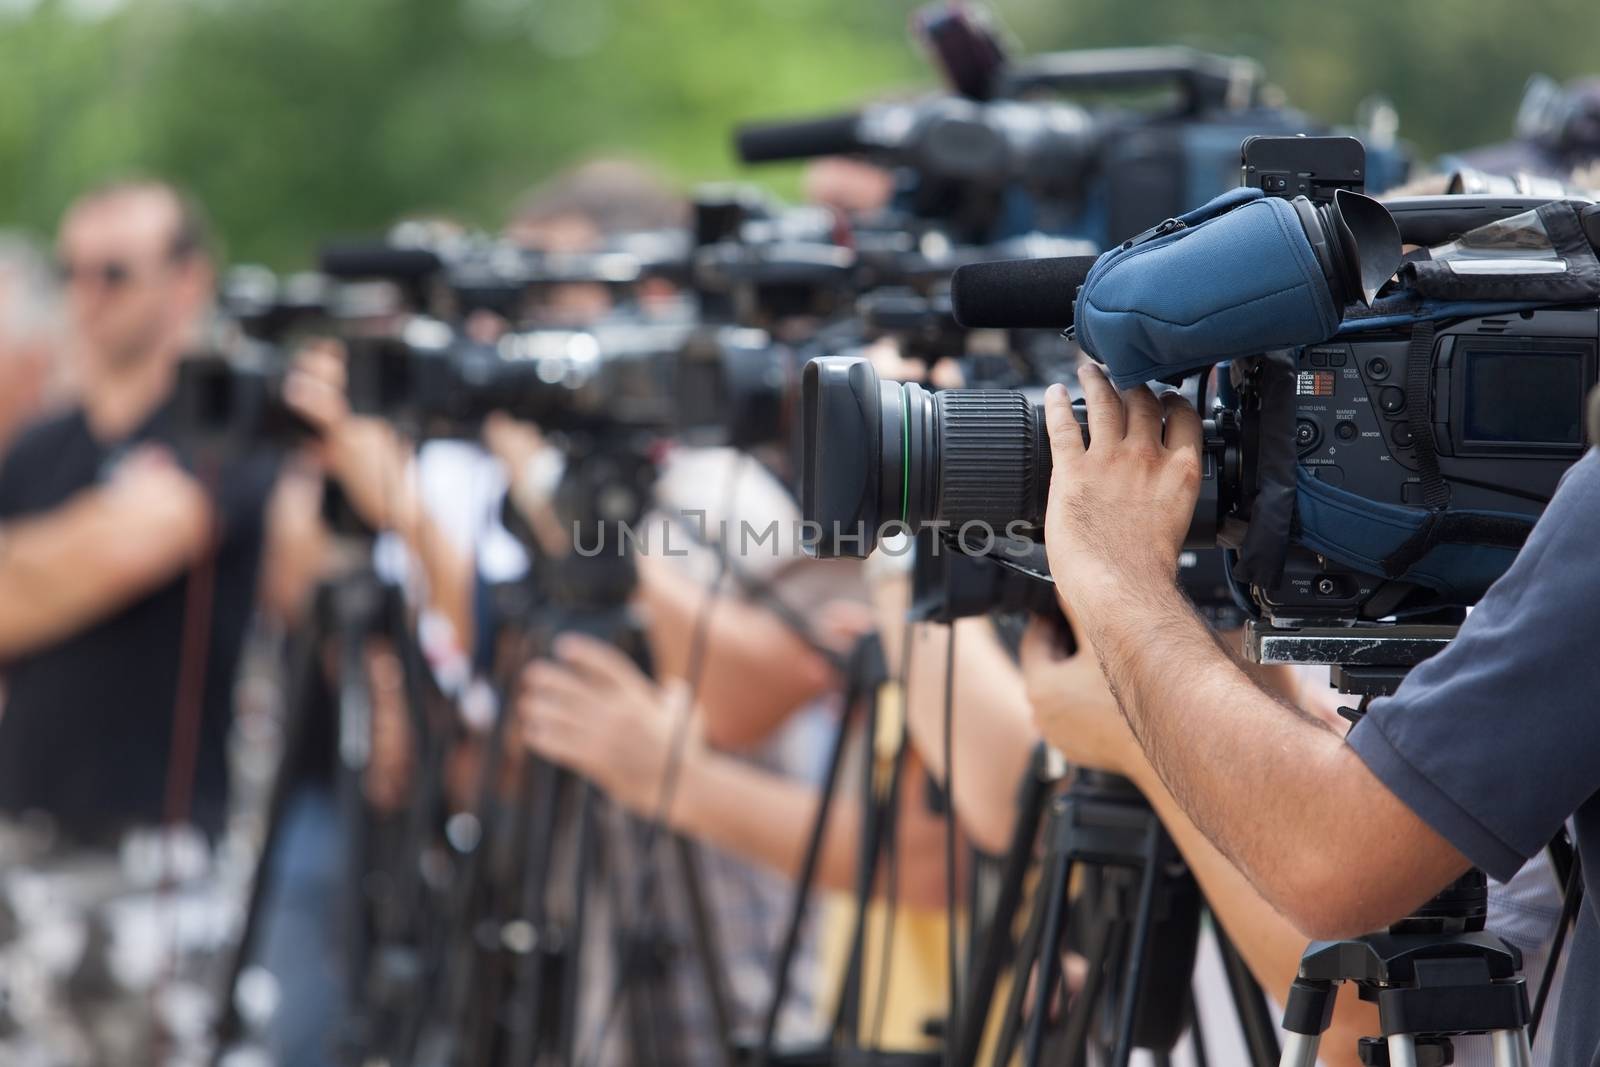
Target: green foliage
point(297, 119)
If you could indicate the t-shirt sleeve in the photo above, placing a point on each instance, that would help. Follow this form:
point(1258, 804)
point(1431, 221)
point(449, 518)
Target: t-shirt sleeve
point(11, 500)
point(1496, 740)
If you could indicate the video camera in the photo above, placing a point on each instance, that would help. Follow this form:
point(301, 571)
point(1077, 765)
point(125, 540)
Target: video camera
point(1367, 454)
point(1018, 157)
point(620, 376)
point(450, 275)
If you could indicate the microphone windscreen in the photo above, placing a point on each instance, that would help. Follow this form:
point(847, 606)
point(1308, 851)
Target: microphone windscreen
point(1018, 294)
point(833, 135)
point(376, 259)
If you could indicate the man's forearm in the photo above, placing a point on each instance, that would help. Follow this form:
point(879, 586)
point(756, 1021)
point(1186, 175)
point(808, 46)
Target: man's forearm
point(766, 818)
point(1277, 791)
point(756, 671)
point(63, 571)
point(449, 573)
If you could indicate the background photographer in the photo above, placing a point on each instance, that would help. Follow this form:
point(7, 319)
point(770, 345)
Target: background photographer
point(127, 580)
point(1426, 769)
point(102, 521)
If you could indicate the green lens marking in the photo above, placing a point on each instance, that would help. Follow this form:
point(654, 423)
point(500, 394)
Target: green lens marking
point(905, 456)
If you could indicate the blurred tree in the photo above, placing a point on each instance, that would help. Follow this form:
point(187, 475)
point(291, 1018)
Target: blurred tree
point(296, 119)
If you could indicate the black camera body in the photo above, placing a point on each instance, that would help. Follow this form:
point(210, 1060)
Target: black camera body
point(1502, 399)
point(1391, 471)
point(231, 403)
point(649, 379)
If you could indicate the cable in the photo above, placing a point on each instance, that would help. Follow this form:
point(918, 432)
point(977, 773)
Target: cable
point(950, 845)
point(700, 639)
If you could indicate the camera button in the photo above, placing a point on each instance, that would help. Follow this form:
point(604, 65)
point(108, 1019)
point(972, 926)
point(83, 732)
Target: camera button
point(1401, 435)
point(1391, 400)
point(1378, 368)
point(1336, 359)
point(1319, 359)
point(1346, 430)
point(1307, 434)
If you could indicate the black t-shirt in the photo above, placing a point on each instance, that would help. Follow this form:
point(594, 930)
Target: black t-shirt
point(1495, 742)
point(87, 726)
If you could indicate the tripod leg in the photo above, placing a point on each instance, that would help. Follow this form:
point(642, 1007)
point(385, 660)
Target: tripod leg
point(1300, 1050)
point(572, 962)
point(1403, 1051)
point(876, 817)
point(1250, 1003)
point(1047, 964)
point(708, 951)
point(1197, 1035)
point(303, 679)
point(540, 801)
point(1027, 952)
point(1139, 950)
point(355, 726)
point(802, 890)
point(1511, 1048)
point(1110, 943)
point(992, 948)
point(1306, 1017)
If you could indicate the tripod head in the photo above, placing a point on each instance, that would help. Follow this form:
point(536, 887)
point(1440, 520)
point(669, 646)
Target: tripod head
point(1435, 974)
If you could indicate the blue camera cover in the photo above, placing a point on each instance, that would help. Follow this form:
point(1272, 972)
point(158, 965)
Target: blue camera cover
point(1234, 277)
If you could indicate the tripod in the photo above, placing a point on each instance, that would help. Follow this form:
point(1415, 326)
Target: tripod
point(1436, 974)
point(384, 904)
point(1137, 919)
point(511, 991)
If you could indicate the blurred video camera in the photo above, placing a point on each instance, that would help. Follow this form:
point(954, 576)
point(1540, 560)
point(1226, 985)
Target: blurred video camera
point(1009, 153)
point(620, 376)
point(1373, 448)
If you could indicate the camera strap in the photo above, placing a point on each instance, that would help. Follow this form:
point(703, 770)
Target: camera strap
point(1265, 544)
point(1419, 371)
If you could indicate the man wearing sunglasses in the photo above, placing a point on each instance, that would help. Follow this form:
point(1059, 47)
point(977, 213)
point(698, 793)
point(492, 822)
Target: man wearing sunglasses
point(127, 573)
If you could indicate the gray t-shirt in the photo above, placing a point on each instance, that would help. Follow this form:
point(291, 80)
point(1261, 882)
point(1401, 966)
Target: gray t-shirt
point(1496, 741)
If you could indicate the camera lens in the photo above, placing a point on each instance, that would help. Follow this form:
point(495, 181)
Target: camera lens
point(885, 457)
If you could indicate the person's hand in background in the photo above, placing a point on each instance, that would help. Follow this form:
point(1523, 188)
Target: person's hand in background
point(593, 711)
point(365, 455)
point(1072, 705)
point(533, 473)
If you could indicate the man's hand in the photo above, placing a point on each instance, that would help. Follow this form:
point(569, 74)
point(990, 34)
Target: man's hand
point(1119, 508)
point(365, 454)
point(593, 711)
point(163, 500)
point(1072, 705)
